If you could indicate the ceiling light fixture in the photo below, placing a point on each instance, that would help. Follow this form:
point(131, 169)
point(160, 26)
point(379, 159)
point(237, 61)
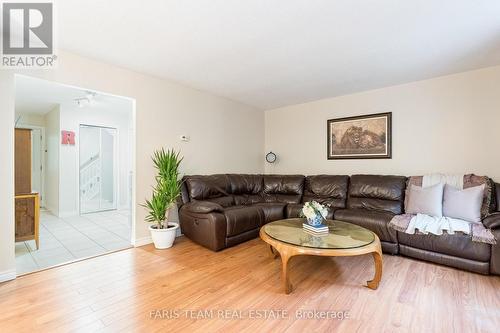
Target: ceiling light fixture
point(81, 102)
point(89, 99)
point(90, 95)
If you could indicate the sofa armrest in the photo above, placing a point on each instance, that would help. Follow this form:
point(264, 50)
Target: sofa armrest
point(207, 229)
point(495, 253)
point(203, 207)
point(492, 221)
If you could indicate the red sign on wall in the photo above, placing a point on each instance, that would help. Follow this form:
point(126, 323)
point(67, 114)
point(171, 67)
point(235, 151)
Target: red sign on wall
point(68, 138)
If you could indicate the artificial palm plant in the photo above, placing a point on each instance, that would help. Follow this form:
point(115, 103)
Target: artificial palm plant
point(167, 188)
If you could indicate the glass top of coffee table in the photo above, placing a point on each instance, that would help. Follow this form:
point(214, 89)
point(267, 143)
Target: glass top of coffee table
point(341, 235)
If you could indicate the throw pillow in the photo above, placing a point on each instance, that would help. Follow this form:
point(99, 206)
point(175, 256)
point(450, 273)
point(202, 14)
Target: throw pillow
point(426, 200)
point(463, 204)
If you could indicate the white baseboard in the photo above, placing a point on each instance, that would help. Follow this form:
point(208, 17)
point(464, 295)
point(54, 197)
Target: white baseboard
point(8, 275)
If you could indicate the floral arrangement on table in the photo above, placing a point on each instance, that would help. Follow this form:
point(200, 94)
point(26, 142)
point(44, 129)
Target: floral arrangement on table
point(314, 212)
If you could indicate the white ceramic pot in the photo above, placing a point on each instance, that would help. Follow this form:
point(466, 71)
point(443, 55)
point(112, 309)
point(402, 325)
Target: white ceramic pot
point(164, 238)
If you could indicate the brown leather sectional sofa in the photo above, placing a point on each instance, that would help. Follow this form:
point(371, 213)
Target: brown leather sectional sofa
point(220, 211)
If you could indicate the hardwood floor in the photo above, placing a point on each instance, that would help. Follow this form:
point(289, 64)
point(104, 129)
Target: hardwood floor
point(120, 291)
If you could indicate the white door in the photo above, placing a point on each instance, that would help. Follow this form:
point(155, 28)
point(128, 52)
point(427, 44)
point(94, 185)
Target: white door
point(97, 169)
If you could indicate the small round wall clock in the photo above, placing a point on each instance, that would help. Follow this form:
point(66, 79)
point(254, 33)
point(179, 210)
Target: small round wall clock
point(271, 157)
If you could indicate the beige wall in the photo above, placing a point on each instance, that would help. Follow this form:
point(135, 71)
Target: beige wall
point(448, 124)
point(225, 136)
point(52, 161)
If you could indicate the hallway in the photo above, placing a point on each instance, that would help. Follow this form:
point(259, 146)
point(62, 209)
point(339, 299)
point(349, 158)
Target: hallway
point(67, 239)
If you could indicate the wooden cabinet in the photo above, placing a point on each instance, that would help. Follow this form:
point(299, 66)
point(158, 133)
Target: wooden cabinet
point(27, 217)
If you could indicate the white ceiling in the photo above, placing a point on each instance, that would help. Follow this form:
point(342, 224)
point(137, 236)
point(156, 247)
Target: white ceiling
point(281, 52)
point(36, 96)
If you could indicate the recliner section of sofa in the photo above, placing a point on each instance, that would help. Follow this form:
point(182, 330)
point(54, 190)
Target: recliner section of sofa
point(458, 250)
point(375, 221)
point(372, 203)
point(219, 211)
point(242, 202)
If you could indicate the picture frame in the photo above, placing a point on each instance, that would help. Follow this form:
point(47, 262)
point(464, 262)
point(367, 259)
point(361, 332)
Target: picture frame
point(360, 137)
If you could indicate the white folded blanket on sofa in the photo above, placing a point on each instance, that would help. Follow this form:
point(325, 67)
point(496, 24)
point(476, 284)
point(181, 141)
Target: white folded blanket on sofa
point(436, 225)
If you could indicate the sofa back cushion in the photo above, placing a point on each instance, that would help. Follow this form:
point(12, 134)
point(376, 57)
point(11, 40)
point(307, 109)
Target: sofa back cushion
point(426, 200)
point(327, 190)
point(463, 204)
point(374, 192)
point(214, 188)
point(246, 189)
point(283, 188)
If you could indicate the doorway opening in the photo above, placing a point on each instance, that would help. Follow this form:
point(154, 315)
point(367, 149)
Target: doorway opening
point(97, 169)
point(74, 173)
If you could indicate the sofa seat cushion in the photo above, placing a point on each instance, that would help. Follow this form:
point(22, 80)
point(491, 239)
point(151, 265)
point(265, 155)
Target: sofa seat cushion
point(376, 221)
point(457, 245)
point(240, 219)
point(272, 211)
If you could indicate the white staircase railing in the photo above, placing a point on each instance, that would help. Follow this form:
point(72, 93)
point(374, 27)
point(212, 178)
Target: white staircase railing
point(90, 178)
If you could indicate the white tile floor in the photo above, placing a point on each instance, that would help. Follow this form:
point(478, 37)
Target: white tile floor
point(67, 239)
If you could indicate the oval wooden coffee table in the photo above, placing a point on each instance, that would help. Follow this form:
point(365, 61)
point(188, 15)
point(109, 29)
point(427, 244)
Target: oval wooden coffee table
point(288, 239)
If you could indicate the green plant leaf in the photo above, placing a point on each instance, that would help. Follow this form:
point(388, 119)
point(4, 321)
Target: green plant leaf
point(168, 186)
